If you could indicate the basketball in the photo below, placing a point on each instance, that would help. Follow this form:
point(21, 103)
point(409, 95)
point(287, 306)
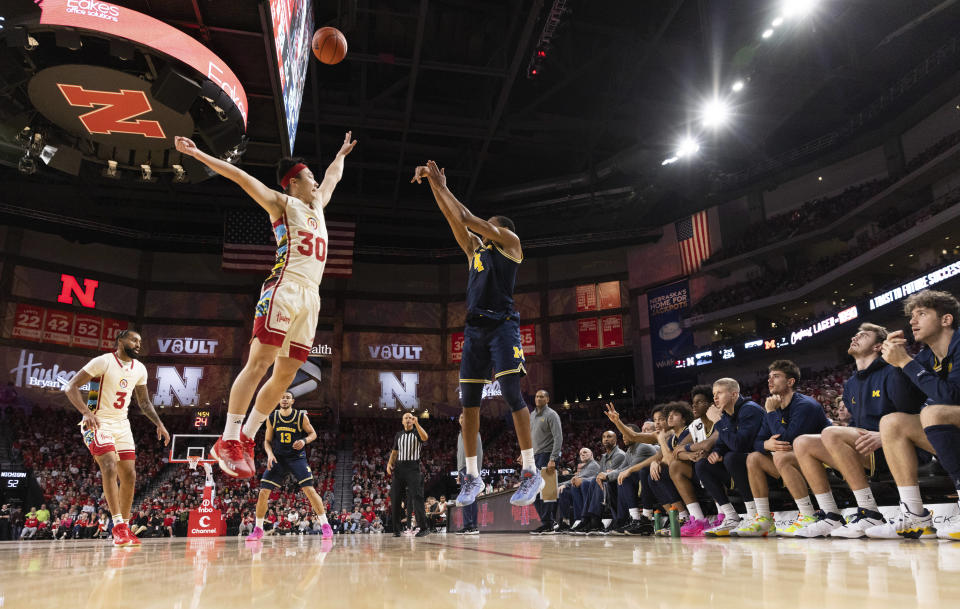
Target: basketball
point(329, 45)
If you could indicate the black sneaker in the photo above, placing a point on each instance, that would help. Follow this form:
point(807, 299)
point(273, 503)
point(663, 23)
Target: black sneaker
point(462, 531)
point(472, 531)
point(396, 533)
point(542, 529)
point(422, 533)
point(563, 527)
point(595, 527)
point(577, 529)
point(643, 526)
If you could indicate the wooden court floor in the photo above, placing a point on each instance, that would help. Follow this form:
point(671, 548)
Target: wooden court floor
point(492, 571)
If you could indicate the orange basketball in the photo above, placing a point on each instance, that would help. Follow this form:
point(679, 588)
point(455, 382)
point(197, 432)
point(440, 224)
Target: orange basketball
point(329, 45)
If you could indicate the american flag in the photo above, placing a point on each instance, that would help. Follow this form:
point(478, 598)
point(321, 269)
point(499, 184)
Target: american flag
point(249, 244)
point(693, 237)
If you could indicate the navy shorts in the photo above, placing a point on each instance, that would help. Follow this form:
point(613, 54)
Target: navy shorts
point(491, 345)
point(297, 468)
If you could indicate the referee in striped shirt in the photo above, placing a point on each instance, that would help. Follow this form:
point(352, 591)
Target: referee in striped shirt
point(408, 481)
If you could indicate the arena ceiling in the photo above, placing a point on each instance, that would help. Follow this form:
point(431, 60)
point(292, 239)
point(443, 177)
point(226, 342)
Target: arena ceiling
point(575, 149)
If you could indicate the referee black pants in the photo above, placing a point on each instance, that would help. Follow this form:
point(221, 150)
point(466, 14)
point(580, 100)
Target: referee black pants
point(407, 486)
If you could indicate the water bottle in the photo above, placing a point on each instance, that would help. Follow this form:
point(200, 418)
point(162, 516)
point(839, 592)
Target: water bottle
point(657, 521)
point(674, 522)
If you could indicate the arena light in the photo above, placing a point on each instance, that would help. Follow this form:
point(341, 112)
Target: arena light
point(777, 22)
point(767, 33)
point(798, 8)
point(715, 113)
point(110, 171)
point(737, 86)
point(688, 147)
point(669, 161)
point(179, 174)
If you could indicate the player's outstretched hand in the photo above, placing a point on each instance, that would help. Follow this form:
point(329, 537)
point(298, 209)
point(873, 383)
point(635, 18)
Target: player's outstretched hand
point(185, 145)
point(611, 412)
point(163, 434)
point(348, 144)
point(299, 444)
point(90, 421)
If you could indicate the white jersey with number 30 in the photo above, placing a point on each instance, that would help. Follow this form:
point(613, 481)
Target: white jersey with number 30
point(306, 243)
point(112, 385)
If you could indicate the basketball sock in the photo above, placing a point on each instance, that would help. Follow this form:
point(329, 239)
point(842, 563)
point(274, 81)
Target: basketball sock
point(647, 513)
point(259, 522)
point(827, 503)
point(323, 519)
point(254, 421)
point(231, 430)
point(865, 499)
point(117, 519)
point(729, 513)
point(472, 468)
point(763, 506)
point(526, 457)
point(695, 511)
point(751, 507)
point(805, 506)
point(910, 497)
point(635, 513)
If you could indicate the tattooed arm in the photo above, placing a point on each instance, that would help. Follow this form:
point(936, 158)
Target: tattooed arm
point(146, 407)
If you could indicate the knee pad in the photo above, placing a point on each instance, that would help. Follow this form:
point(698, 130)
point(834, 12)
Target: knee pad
point(471, 394)
point(510, 389)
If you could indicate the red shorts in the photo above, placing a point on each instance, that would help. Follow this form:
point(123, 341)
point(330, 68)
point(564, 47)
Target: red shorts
point(112, 436)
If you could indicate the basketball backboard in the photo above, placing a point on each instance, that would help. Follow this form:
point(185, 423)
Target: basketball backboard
point(190, 445)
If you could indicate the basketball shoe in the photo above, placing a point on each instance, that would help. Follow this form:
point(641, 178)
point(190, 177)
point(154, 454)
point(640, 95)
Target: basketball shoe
point(472, 486)
point(134, 540)
point(121, 535)
point(759, 526)
point(856, 527)
point(694, 527)
point(232, 458)
point(326, 532)
point(722, 528)
point(825, 524)
point(531, 483)
point(256, 534)
point(950, 528)
point(248, 446)
point(906, 524)
point(801, 522)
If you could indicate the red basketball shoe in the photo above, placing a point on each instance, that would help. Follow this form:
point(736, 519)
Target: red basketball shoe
point(121, 535)
point(248, 446)
point(134, 540)
point(232, 458)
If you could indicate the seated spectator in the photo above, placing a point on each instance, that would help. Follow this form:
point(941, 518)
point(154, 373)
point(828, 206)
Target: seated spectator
point(30, 525)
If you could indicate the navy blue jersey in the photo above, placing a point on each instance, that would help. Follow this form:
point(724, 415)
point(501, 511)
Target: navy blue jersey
point(493, 275)
point(286, 431)
point(803, 415)
point(938, 379)
point(879, 390)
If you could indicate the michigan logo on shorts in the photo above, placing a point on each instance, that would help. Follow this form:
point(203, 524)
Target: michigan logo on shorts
point(875, 393)
point(518, 353)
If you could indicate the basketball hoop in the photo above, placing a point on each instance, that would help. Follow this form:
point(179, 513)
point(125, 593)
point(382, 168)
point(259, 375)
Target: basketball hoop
point(193, 461)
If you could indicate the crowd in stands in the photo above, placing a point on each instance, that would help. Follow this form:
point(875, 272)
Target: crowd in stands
point(771, 282)
point(818, 213)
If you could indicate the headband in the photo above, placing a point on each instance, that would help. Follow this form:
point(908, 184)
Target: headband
point(285, 180)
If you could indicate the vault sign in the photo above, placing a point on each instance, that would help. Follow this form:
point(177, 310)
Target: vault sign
point(108, 106)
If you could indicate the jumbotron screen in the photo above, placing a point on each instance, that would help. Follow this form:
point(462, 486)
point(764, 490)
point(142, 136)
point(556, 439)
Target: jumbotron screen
point(292, 25)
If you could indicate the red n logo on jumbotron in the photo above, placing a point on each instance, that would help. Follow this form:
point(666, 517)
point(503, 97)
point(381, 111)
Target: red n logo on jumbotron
point(117, 108)
point(70, 287)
